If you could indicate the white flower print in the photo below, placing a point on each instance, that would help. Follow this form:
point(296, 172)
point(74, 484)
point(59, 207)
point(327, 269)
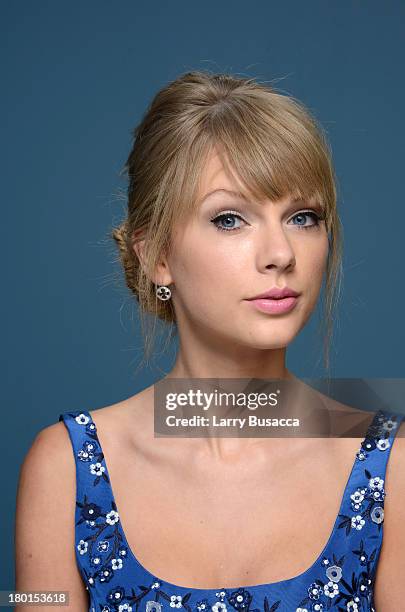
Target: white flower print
point(383, 444)
point(155, 585)
point(96, 560)
point(358, 496)
point(124, 608)
point(364, 587)
point(175, 601)
point(361, 454)
point(377, 514)
point(82, 547)
point(378, 495)
point(105, 574)
point(84, 455)
point(301, 610)
point(97, 468)
point(82, 419)
point(314, 590)
point(112, 517)
point(358, 522)
point(369, 445)
point(331, 589)
point(153, 606)
point(103, 546)
point(352, 606)
point(389, 425)
point(218, 606)
point(116, 563)
point(334, 573)
point(376, 483)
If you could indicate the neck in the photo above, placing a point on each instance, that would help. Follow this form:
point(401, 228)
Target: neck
point(240, 362)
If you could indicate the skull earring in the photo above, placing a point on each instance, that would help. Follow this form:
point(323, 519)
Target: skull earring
point(163, 293)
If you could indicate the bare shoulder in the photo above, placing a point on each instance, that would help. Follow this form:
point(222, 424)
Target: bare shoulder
point(49, 461)
point(51, 439)
point(45, 553)
point(390, 586)
point(49, 455)
point(44, 522)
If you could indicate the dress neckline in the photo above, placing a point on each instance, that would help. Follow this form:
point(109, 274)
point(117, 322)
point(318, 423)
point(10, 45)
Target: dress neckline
point(252, 588)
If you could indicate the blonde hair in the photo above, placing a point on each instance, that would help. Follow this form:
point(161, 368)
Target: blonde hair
point(270, 140)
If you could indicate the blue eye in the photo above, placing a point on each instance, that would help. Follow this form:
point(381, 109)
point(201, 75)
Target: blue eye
point(226, 218)
point(225, 221)
point(308, 213)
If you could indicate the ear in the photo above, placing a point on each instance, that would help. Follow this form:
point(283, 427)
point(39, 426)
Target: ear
point(162, 274)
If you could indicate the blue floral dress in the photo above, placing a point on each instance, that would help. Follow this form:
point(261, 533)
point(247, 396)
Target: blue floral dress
point(341, 579)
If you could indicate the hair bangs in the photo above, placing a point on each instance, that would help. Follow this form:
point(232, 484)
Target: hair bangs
point(270, 159)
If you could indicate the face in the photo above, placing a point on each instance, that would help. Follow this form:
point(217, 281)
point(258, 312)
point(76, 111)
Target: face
point(233, 249)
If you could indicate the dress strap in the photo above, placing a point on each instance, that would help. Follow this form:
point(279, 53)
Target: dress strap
point(376, 447)
point(358, 531)
point(96, 513)
point(363, 499)
point(89, 457)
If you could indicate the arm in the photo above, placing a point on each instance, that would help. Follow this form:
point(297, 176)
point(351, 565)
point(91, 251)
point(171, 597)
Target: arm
point(390, 578)
point(44, 527)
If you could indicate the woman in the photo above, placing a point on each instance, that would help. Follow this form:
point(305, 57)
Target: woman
point(231, 194)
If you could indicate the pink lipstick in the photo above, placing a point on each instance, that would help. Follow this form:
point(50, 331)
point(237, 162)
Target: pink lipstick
point(275, 300)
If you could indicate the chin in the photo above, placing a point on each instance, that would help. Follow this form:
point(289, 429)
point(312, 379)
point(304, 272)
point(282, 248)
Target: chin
point(269, 341)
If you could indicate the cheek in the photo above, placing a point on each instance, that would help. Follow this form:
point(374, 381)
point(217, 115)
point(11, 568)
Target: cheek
point(313, 265)
point(210, 280)
point(208, 265)
point(321, 258)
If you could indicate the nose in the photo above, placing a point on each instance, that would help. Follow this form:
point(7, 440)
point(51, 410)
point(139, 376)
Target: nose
point(274, 250)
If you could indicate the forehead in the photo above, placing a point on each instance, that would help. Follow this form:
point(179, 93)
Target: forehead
point(215, 176)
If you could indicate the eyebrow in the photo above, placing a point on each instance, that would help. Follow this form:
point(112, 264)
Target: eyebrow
point(237, 194)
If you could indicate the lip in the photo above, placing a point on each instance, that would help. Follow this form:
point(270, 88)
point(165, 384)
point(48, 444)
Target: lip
point(276, 293)
point(275, 306)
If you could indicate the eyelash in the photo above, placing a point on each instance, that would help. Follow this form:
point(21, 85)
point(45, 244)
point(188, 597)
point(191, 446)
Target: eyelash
point(232, 213)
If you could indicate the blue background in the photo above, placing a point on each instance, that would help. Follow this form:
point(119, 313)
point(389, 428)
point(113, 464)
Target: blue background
point(76, 78)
